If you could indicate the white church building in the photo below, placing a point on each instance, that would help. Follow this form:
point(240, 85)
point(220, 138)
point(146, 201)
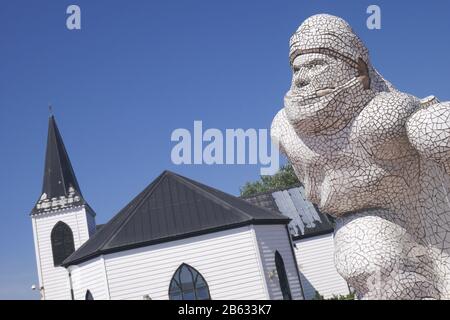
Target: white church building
point(179, 239)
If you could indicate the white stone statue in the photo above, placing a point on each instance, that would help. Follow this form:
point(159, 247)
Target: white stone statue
point(375, 158)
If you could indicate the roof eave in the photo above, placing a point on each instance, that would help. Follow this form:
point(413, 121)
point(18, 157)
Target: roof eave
point(66, 263)
point(313, 234)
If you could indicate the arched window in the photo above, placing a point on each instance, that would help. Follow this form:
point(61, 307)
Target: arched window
point(62, 242)
point(188, 284)
point(88, 296)
point(282, 277)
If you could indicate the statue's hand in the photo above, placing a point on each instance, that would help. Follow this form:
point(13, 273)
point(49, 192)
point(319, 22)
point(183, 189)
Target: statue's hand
point(429, 132)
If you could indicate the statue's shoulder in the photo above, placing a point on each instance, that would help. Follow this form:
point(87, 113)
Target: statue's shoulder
point(391, 100)
point(429, 130)
point(386, 113)
point(432, 116)
point(380, 126)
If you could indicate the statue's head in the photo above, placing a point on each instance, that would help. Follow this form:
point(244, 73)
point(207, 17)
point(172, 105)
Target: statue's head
point(332, 74)
point(333, 82)
point(330, 35)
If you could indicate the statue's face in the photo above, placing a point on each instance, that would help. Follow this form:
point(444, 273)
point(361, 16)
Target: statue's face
point(326, 94)
point(317, 75)
point(322, 92)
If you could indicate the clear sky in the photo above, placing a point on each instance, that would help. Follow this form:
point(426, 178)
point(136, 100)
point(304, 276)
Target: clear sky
point(140, 69)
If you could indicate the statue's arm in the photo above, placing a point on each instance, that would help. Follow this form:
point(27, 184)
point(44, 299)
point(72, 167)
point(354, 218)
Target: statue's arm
point(284, 134)
point(278, 130)
point(428, 131)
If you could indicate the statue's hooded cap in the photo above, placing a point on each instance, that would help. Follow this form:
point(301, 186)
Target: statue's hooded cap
point(327, 34)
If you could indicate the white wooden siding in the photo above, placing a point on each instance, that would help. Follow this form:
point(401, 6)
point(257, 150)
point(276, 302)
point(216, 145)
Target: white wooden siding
point(315, 259)
point(228, 260)
point(55, 280)
point(90, 276)
point(272, 238)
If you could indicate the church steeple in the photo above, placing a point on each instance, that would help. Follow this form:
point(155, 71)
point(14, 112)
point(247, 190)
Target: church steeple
point(60, 188)
point(62, 221)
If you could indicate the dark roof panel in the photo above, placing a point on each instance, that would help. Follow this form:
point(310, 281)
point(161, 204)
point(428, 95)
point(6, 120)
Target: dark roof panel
point(172, 207)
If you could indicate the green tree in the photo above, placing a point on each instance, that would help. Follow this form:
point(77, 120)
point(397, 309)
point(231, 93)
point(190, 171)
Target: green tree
point(283, 179)
point(350, 296)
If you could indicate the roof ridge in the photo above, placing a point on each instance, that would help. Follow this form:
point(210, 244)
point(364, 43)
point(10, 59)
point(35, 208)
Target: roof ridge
point(147, 194)
point(187, 180)
point(230, 195)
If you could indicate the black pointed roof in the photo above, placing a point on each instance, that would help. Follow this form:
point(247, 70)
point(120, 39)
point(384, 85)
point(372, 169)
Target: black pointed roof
point(172, 207)
point(59, 178)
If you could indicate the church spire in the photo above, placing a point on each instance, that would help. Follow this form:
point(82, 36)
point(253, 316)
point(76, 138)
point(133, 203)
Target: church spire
point(60, 188)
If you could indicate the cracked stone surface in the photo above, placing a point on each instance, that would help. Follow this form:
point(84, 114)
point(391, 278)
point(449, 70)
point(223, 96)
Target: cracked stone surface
point(375, 158)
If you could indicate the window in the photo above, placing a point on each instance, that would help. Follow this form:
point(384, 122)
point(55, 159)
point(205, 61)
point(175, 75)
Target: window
point(89, 296)
point(282, 277)
point(188, 284)
point(62, 242)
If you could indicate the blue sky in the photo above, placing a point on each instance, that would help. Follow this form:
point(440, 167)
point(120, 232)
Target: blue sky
point(140, 69)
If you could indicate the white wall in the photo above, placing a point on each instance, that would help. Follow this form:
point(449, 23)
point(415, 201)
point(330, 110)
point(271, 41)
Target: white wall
point(55, 280)
point(272, 238)
point(90, 276)
point(228, 260)
point(315, 259)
